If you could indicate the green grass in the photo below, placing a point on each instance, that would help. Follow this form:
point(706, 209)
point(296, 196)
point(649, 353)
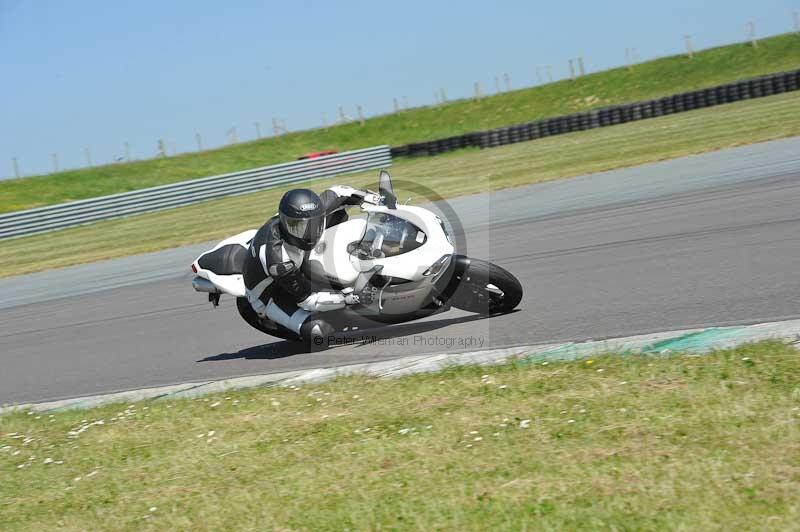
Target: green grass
point(648, 80)
point(465, 172)
point(648, 443)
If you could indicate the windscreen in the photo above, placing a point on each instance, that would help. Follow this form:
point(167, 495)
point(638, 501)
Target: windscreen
point(386, 235)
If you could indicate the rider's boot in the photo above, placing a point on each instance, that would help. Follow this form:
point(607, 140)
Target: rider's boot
point(314, 331)
point(317, 333)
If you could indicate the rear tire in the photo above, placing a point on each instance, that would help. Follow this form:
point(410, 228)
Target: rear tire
point(265, 326)
point(486, 288)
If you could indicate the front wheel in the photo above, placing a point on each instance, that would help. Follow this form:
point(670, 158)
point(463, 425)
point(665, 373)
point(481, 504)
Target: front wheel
point(486, 288)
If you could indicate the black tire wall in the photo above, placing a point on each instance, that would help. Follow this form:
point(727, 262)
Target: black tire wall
point(608, 116)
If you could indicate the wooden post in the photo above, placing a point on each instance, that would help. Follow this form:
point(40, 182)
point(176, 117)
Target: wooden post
point(689, 50)
point(16, 167)
point(360, 116)
point(444, 96)
point(507, 79)
point(581, 70)
point(477, 90)
point(88, 155)
point(752, 30)
point(55, 162)
point(127, 152)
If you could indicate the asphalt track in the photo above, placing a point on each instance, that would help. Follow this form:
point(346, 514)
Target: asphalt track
point(704, 240)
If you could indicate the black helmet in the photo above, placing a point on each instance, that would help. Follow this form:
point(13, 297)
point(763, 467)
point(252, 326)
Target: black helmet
point(302, 218)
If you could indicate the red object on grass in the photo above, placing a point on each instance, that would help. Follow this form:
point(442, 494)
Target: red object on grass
point(315, 154)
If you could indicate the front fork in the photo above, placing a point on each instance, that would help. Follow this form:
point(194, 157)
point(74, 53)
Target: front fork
point(448, 283)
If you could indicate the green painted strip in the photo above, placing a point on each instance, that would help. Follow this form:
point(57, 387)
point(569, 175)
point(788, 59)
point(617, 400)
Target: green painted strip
point(697, 341)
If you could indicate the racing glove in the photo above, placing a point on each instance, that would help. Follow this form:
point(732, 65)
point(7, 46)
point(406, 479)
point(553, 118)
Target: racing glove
point(355, 196)
point(365, 297)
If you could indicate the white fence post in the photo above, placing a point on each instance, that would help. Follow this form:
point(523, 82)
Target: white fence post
point(752, 31)
point(689, 49)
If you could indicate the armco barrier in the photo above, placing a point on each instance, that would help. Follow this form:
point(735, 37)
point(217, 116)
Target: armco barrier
point(609, 116)
point(44, 219)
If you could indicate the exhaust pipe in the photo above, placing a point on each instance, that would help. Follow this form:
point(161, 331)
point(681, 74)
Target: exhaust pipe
point(204, 285)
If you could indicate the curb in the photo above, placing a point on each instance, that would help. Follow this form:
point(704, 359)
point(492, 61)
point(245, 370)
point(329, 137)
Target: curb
point(691, 340)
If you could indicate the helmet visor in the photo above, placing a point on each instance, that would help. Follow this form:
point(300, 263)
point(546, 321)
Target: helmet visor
point(307, 229)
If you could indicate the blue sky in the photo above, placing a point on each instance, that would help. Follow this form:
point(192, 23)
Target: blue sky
point(98, 74)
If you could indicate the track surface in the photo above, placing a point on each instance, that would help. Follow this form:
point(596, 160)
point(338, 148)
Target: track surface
point(704, 240)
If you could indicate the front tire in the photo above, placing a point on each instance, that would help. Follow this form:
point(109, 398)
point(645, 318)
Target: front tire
point(486, 288)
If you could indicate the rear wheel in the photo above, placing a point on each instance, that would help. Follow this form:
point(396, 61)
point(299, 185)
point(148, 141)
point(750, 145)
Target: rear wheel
point(266, 326)
point(486, 288)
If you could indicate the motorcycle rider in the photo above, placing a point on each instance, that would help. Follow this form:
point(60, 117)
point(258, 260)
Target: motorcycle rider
point(275, 283)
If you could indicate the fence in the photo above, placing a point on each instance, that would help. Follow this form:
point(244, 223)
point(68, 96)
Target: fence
point(44, 219)
point(609, 116)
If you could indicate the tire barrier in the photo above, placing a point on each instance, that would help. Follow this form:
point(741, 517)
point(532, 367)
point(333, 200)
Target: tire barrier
point(609, 116)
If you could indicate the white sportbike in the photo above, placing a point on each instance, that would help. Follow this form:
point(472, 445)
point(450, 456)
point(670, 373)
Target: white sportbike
point(402, 253)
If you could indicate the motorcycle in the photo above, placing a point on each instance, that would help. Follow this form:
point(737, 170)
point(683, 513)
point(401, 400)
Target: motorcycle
point(404, 254)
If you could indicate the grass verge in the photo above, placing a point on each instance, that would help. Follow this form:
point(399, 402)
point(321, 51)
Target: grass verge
point(618, 442)
point(453, 174)
point(652, 79)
